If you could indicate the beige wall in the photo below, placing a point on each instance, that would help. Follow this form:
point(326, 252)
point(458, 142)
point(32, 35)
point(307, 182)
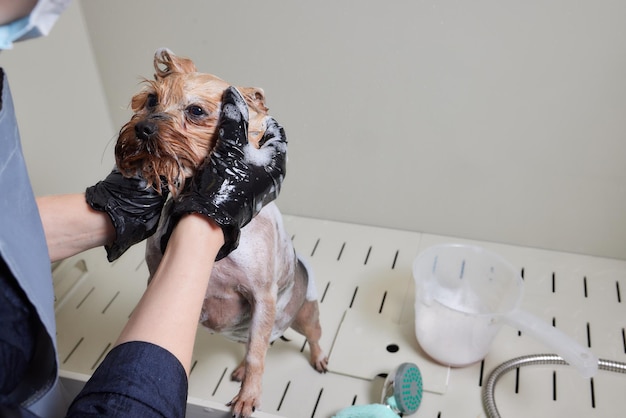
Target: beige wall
point(62, 113)
point(494, 120)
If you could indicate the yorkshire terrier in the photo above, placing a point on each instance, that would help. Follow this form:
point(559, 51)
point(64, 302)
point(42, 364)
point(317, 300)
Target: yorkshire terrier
point(263, 287)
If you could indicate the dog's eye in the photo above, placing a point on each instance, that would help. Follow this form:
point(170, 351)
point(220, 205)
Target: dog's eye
point(194, 110)
point(152, 101)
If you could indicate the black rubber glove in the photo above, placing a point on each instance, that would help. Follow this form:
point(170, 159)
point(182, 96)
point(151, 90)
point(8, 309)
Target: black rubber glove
point(237, 179)
point(133, 206)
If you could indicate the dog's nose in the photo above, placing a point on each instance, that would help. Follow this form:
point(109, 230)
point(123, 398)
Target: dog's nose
point(145, 129)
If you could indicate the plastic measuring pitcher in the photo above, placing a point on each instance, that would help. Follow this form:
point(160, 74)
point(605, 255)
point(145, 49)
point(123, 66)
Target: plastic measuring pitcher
point(464, 294)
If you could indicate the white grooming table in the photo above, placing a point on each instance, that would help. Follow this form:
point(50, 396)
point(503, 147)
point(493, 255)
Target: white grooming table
point(365, 286)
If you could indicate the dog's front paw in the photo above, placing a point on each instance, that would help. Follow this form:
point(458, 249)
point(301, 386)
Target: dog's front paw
point(243, 405)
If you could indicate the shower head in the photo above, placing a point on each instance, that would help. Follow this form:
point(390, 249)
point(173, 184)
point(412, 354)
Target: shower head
point(403, 389)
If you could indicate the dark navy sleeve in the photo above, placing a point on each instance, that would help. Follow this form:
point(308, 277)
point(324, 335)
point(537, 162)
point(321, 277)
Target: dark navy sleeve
point(136, 379)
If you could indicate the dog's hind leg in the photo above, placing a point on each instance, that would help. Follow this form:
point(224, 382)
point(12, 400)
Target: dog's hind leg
point(307, 323)
point(307, 320)
point(240, 371)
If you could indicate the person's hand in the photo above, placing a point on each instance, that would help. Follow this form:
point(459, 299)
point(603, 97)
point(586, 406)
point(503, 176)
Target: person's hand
point(237, 179)
point(133, 206)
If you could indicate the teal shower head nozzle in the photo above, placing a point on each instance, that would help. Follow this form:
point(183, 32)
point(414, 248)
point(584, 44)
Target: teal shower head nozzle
point(403, 389)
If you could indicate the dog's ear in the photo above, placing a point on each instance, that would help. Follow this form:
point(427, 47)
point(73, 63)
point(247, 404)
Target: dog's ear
point(255, 98)
point(166, 63)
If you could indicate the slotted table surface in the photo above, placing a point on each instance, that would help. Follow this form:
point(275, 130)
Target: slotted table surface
point(365, 287)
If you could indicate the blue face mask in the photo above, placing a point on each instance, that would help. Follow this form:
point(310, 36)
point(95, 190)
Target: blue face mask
point(38, 23)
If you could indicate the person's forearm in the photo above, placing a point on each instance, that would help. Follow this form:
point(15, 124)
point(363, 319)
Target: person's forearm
point(72, 226)
point(168, 312)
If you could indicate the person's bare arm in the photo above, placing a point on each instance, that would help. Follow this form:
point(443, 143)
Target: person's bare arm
point(168, 312)
point(72, 226)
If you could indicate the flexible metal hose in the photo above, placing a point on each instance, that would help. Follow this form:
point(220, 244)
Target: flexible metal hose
point(489, 400)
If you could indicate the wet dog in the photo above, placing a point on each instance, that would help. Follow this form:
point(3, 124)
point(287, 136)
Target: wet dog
point(262, 288)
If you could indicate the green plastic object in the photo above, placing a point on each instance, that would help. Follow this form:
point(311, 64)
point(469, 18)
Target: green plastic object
point(366, 411)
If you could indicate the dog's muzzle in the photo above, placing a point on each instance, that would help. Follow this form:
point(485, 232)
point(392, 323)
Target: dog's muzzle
point(146, 129)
